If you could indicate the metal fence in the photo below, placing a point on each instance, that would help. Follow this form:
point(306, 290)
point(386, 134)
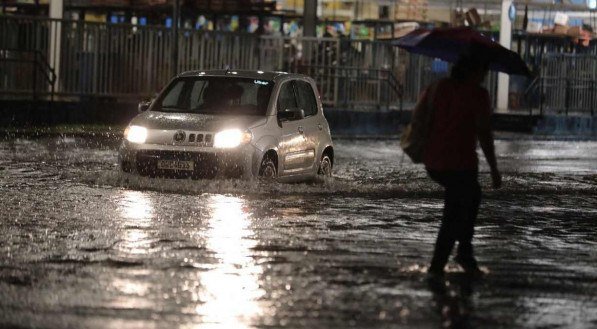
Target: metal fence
point(25, 72)
point(348, 73)
point(569, 83)
point(125, 61)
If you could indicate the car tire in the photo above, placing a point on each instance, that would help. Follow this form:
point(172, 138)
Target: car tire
point(325, 166)
point(268, 170)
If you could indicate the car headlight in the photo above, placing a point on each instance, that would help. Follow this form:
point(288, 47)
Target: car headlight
point(135, 134)
point(231, 138)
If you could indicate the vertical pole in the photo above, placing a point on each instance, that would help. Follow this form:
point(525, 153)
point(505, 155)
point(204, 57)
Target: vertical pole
point(505, 40)
point(310, 18)
point(336, 72)
point(541, 85)
point(593, 85)
point(56, 12)
point(174, 50)
point(34, 72)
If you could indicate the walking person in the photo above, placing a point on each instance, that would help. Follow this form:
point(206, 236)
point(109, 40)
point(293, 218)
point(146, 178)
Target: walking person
point(461, 118)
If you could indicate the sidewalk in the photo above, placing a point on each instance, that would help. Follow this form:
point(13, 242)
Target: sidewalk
point(82, 131)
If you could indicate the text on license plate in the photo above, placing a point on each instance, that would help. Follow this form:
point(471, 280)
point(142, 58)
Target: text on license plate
point(175, 165)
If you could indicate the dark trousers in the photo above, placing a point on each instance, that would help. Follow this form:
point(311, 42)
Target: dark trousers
point(461, 204)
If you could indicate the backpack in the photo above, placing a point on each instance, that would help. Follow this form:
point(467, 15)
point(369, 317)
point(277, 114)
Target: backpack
point(414, 136)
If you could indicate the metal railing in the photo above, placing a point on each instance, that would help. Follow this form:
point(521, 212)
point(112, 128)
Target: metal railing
point(26, 72)
point(353, 87)
point(569, 83)
point(531, 97)
point(348, 73)
point(121, 61)
point(133, 62)
point(126, 61)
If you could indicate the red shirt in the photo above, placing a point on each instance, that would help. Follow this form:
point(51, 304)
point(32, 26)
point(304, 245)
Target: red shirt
point(452, 140)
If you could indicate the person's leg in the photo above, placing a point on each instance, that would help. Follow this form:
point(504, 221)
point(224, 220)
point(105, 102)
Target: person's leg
point(471, 199)
point(448, 230)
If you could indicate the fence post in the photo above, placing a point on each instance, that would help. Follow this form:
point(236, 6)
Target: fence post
point(346, 82)
point(567, 96)
point(592, 90)
point(336, 72)
point(34, 73)
point(174, 50)
point(387, 91)
point(541, 85)
point(55, 35)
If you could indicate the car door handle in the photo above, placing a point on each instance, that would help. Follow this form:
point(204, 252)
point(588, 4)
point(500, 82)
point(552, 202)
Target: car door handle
point(319, 126)
point(301, 130)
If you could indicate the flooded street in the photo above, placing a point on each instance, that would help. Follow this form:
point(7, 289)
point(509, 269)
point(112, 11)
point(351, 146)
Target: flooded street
point(85, 246)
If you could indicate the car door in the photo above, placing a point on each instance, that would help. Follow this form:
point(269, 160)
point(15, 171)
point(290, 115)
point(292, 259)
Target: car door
point(293, 151)
point(311, 125)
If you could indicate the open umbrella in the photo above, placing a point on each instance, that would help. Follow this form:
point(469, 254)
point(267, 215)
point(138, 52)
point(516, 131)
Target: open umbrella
point(449, 43)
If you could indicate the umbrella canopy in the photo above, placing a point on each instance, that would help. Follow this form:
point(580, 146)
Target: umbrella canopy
point(449, 43)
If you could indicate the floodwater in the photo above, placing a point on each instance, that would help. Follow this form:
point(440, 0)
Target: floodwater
point(85, 246)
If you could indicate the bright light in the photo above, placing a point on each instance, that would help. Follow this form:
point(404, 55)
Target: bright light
point(230, 292)
point(137, 216)
point(231, 138)
point(136, 134)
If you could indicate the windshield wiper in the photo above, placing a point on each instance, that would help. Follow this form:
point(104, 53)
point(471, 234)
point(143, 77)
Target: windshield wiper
point(177, 109)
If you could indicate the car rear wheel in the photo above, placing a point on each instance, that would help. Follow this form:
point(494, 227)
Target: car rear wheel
point(268, 170)
point(325, 166)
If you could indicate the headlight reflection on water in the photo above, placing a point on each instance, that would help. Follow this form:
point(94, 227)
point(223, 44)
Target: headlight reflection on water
point(137, 215)
point(137, 210)
point(227, 292)
point(230, 290)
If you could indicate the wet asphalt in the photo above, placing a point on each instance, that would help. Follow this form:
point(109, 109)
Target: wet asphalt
point(85, 246)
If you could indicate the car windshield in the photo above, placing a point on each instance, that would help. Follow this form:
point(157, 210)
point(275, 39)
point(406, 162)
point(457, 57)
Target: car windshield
point(216, 95)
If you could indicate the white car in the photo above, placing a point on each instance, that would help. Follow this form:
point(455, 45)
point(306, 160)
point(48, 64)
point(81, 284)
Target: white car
point(231, 123)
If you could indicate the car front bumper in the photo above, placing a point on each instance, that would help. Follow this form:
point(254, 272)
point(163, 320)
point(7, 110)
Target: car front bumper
point(208, 162)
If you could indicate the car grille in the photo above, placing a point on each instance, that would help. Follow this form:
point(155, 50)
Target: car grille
point(200, 139)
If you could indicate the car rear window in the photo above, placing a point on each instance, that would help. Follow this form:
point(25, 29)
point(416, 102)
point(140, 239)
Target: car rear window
point(216, 95)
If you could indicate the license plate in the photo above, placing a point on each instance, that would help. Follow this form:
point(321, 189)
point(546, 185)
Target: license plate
point(175, 165)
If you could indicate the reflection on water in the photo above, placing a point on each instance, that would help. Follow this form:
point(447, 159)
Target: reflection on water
point(345, 253)
point(131, 287)
point(136, 206)
point(452, 300)
point(230, 289)
point(138, 214)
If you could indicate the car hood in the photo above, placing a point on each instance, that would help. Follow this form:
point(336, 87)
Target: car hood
point(194, 121)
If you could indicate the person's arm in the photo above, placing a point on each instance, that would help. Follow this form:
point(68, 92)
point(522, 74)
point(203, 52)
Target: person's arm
point(486, 142)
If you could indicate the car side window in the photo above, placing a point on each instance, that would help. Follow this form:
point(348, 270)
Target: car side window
point(306, 98)
point(286, 98)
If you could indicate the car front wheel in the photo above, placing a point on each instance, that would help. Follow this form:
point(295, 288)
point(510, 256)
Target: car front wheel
point(325, 166)
point(268, 170)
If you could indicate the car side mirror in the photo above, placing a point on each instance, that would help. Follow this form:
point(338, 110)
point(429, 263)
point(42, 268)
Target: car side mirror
point(291, 114)
point(143, 106)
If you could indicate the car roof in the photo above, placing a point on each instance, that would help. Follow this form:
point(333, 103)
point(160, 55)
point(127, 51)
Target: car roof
point(262, 75)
